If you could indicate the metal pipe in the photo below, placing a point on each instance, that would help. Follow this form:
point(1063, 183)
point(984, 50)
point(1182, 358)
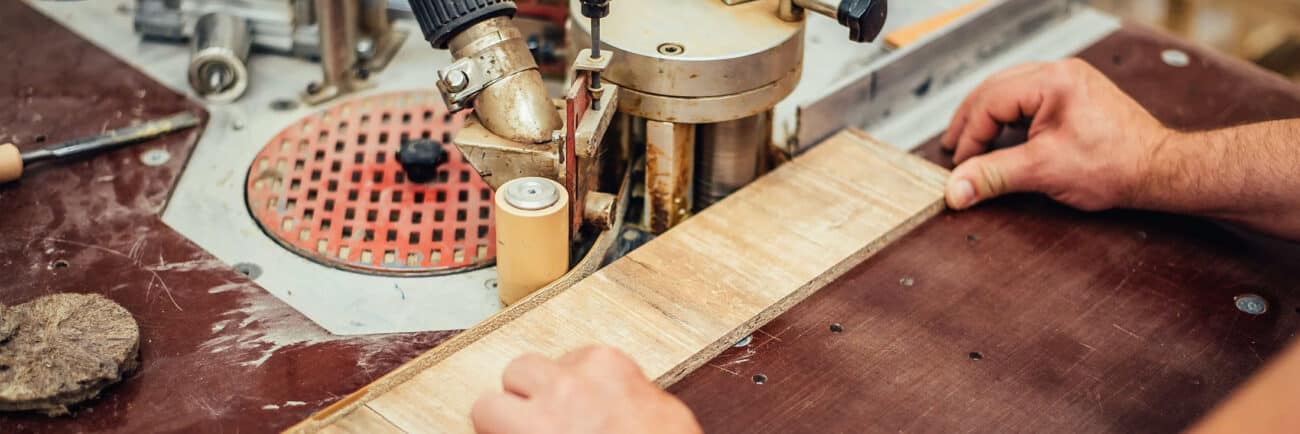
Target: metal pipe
point(337, 24)
point(218, 70)
point(729, 156)
point(517, 106)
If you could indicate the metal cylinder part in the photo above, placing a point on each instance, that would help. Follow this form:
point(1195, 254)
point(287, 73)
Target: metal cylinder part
point(339, 28)
point(729, 155)
point(218, 68)
point(697, 61)
point(829, 8)
point(374, 17)
point(514, 103)
point(532, 228)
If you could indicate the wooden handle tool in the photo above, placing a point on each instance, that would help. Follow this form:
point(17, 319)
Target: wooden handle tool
point(12, 161)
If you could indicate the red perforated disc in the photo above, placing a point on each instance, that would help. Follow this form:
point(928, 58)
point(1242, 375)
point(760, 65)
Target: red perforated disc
point(330, 188)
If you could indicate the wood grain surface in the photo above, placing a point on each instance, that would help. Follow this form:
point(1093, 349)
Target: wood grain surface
point(684, 297)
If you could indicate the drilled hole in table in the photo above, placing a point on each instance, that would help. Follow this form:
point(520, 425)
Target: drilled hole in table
point(975, 355)
point(760, 379)
point(334, 166)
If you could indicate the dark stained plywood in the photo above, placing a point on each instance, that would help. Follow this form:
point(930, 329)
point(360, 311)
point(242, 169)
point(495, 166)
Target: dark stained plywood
point(1112, 322)
point(218, 353)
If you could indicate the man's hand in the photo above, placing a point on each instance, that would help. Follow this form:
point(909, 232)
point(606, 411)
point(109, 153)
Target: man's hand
point(1088, 143)
point(1093, 147)
point(592, 390)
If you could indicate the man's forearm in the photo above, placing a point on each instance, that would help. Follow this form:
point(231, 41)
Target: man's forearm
point(1248, 174)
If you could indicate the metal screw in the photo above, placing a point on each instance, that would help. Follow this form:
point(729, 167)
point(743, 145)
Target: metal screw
point(744, 341)
point(249, 269)
point(456, 81)
point(671, 49)
point(1251, 303)
point(1175, 58)
point(155, 157)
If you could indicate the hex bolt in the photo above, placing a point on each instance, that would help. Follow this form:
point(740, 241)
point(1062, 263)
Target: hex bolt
point(456, 81)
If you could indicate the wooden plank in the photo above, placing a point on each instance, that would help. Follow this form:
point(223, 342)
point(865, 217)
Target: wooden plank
point(689, 294)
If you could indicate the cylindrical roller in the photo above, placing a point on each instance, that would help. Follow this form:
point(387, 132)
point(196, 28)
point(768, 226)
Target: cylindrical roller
point(532, 228)
point(218, 70)
point(729, 155)
point(11, 163)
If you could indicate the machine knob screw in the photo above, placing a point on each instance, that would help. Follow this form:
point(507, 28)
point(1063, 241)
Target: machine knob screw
point(864, 18)
point(595, 8)
point(420, 159)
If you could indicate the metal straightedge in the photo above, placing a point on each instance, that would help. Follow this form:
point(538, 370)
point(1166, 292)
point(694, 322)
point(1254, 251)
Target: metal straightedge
point(904, 79)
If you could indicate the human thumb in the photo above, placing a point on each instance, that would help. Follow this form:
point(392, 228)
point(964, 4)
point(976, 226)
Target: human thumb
point(987, 176)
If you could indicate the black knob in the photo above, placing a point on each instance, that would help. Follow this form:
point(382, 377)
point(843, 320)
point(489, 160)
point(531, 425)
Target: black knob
point(595, 8)
point(443, 19)
point(864, 18)
point(420, 159)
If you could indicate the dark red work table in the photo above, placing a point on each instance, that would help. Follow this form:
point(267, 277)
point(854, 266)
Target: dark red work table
point(1111, 322)
point(1118, 321)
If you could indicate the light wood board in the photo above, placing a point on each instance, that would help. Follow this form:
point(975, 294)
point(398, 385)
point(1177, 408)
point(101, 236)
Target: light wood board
point(681, 299)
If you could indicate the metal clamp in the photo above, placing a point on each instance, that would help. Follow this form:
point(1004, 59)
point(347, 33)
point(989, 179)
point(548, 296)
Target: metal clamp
point(485, 62)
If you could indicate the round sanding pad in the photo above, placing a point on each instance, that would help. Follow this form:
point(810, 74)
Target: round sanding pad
point(66, 349)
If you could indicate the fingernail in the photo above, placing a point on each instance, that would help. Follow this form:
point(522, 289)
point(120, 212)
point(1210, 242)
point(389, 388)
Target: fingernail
point(961, 194)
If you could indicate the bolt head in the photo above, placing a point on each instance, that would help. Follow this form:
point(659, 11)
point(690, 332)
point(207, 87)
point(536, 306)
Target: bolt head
point(456, 81)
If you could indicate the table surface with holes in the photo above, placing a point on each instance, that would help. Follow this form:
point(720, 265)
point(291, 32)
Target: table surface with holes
point(1021, 315)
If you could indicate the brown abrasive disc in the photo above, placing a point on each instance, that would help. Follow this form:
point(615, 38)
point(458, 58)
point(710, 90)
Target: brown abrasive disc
point(66, 349)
